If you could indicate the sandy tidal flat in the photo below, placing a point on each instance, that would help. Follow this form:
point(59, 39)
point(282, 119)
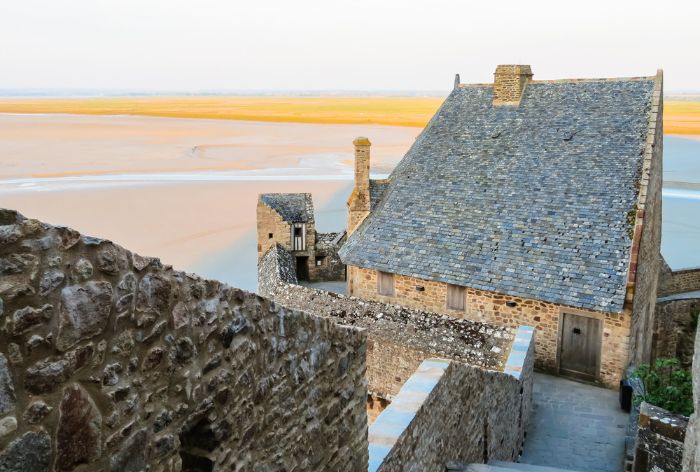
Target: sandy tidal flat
point(184, 190)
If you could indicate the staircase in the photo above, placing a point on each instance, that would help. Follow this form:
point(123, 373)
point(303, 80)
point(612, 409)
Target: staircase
point(498, 466)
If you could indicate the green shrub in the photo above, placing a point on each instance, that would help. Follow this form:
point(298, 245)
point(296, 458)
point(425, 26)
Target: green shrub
point(667, 386)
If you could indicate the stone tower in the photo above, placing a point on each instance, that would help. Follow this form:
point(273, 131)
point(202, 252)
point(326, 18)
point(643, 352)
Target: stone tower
point(359, 201)
point(509, 83)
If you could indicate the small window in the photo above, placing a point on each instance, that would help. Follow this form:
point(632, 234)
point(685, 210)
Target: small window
point(269, 235)
point(297, 231)
point(455, 297)
point(385, 283)
point(319, 260)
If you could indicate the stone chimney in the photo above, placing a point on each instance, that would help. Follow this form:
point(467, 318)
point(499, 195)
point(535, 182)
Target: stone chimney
point(359, 203)
point(509, 83)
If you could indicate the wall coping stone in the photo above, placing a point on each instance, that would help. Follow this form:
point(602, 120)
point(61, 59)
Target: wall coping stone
point(393, 421)
point(515, 363)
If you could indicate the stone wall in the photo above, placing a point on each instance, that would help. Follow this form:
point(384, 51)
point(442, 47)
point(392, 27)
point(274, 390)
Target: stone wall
point(112, 361)
point(490, 307)
point(645, 261)
point(269, 222)
point(660, 436)
point(675, 322)
point(323, 263)
point(399, 338)
point(679, 281)
point(487, 416)
point(327, 264)
point(691, 448)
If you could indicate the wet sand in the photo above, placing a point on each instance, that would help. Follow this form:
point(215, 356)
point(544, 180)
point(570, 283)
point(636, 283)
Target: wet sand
point(65, 145)
point(184, 190)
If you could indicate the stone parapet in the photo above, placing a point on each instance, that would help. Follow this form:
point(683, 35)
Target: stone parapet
point(399, 338)
point(660, 437)
point(115, 362)
point(486, 413)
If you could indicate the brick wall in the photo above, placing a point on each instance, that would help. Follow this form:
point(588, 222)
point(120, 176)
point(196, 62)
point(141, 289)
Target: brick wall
point(492, 307)
point(111, 361)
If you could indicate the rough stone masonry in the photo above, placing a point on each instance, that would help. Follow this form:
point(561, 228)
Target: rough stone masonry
point(112, 361)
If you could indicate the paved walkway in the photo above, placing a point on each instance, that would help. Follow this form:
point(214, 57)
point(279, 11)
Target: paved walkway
point(575, 426)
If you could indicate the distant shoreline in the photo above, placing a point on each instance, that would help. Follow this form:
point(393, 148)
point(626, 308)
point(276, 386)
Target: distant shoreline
point(681, 117)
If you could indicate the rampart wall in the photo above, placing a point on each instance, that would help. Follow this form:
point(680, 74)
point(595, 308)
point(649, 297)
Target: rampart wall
point(112, 361)
point(487, 415)
point(399, 339)
point(679, 281)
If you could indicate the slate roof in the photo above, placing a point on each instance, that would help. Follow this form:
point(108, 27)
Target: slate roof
point(292, 207)
point(376, 191)
point(529, 201)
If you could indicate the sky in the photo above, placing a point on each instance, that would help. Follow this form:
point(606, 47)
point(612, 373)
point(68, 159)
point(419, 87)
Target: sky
point(177, 45)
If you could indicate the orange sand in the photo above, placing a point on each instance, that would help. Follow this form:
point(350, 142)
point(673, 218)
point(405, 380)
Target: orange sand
point(680, 117)
point(398, 111)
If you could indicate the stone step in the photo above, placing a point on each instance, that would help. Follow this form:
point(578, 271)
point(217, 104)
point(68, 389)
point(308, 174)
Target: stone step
point(507, 466)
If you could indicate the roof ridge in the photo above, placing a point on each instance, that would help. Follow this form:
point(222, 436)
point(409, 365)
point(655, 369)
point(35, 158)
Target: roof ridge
point(570, 81)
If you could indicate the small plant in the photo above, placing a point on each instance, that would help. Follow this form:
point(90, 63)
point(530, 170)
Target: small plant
point(666, 385)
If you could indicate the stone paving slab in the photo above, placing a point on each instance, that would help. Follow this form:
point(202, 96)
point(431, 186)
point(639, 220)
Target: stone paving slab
point(575, 426)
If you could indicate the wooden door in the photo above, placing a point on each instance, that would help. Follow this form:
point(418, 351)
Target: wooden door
point(579, 346)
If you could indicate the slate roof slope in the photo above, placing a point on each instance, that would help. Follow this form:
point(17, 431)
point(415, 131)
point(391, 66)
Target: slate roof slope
point(376, 191)
point(530, 201)
point(292, 207)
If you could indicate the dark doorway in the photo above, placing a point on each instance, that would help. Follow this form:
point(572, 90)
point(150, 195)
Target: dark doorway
point(303, 268)
point(579, 346)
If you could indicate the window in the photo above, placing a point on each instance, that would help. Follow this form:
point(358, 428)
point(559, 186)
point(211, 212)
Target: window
point(269, 235)
point(455, 297)
point(385, 283)
point(299, 237)
point(319, 260)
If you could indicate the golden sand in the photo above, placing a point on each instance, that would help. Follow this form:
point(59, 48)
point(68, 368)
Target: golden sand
point(398, 111)
point(680, 117)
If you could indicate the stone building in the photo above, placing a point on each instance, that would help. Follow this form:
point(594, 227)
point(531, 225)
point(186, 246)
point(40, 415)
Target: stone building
point(288, 219)
point(525, 202)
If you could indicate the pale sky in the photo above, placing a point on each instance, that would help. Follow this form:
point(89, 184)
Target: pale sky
point(339, 44)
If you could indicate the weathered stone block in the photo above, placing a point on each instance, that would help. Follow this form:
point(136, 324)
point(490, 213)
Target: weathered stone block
point(47, 375)
point(78, 439)
point(7, 389)
point(84, 311)
point(132, 457)
point(26, 318)
point(30, 452)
